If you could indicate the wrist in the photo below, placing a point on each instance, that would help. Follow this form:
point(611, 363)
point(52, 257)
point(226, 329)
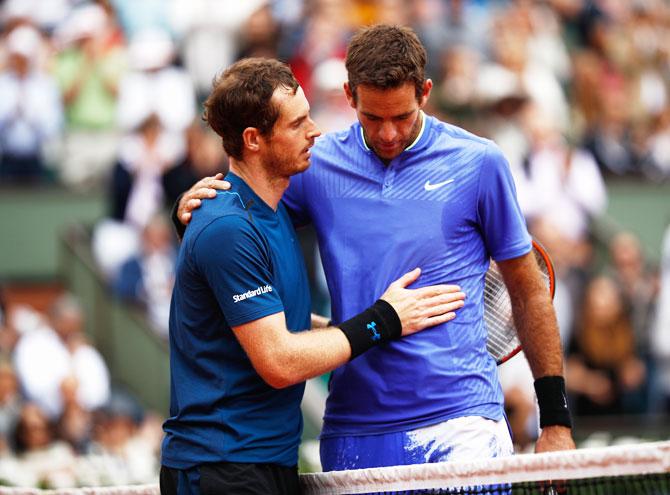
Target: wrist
point(552, 401)
point(376, 325)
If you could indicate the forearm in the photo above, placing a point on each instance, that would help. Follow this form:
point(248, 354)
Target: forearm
point(305, 355)
point(534, 316)
point(537, 328)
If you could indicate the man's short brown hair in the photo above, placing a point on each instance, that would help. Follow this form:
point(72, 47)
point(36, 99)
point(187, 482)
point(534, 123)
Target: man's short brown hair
point(386, 57)
point(241, 98)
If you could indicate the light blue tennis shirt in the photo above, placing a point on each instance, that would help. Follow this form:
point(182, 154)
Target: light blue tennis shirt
point(446, 204)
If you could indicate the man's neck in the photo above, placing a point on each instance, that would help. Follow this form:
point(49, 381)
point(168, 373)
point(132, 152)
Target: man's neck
point(269, 189)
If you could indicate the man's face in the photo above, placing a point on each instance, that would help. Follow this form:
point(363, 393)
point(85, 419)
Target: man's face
point(390, 117)
point(287, 149)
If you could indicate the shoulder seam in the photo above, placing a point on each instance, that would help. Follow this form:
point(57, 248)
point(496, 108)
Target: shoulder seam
point(479, 178)
point(220, 217)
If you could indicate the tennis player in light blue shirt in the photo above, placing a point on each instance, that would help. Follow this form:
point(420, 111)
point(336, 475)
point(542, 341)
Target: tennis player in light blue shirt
point(401, 189)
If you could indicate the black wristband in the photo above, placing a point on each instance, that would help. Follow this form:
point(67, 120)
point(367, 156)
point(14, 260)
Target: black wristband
point(553, 401)
point(179, 227)
point(376, 325)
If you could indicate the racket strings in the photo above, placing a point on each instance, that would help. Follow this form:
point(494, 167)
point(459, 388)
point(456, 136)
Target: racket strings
point(502, 339)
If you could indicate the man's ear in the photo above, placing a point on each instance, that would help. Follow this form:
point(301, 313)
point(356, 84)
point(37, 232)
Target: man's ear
point(427, 86)
point(251, 138)
point(351, 98)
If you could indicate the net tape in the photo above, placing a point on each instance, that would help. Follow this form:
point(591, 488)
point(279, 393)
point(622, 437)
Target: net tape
point(613, 461)
point(151, 489)
point(617, 461)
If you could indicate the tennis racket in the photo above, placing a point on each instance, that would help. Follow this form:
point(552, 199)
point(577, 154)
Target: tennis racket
point(502, 341)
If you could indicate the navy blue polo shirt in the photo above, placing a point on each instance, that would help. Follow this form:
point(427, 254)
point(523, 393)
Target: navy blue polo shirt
point(239, 261)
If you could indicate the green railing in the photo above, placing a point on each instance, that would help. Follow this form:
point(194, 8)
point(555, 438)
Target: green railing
point(137, 357)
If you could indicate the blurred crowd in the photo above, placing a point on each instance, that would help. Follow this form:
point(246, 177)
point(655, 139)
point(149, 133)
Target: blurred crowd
point(106, 95)
point(62, 423)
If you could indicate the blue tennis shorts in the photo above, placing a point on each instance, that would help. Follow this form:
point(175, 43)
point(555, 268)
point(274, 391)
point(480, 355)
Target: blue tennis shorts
point(469, 437)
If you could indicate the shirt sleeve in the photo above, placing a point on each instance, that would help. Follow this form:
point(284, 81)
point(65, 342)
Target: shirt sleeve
point(234, 258)
point(500, 217)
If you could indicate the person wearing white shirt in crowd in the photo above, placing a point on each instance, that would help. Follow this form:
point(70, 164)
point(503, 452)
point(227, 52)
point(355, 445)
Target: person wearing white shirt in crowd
point(31, 113)
point(48, 355)
point(155, 86)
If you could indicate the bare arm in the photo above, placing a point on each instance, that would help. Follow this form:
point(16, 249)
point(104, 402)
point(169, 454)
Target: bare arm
point(537, 327)
point(534, 315)
point(283, 358)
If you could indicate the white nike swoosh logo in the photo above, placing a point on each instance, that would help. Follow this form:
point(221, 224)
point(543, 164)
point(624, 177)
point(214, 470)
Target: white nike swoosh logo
point(430, 187)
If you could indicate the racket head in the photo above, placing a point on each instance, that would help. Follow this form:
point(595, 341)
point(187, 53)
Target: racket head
point(502, 341)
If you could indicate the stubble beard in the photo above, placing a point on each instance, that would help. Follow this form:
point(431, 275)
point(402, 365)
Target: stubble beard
point(280, 167)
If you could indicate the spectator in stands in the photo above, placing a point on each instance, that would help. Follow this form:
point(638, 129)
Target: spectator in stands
point(638, 284)
point(147, 279)
point(52, 353)
point(602, 366)
point(152, 82)
point(120, 450)
point(144, 170)
point(566, 186)
point(660, 338)
point(75, 423)
point(44, 14)
point(135, 17)
point(330, 109)
point(30, 108)
point(658, 147)
point(259, 34)
point(511, 58)
point(611, 138)
point(89, 69)
point(209, 32)
point(322, 35)
point(44, 459)
point(456, 90)
point(8, 334)
point(10, 405)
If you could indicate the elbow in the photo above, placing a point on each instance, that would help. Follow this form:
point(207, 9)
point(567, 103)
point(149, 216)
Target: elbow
point(280, 379)
point(279, 374)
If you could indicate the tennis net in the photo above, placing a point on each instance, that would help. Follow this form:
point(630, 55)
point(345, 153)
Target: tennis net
point(617, 470)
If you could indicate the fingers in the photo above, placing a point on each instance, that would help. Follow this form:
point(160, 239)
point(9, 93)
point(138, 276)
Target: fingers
point(440, 299)
point(185, 218)
point(435, 290)
point(440, 312)
point(214, 182)
point(436, 320)
point(436, 310)
point(407, 278)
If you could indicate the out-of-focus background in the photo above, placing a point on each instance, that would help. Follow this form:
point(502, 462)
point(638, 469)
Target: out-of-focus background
point(100, 131)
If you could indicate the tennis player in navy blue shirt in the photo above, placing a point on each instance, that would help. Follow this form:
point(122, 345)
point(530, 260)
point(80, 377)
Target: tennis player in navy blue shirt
point(400, 188)
point(239, 349)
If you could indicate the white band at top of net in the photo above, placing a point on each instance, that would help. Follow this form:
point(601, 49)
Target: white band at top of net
point(621, 460)
point(152, 489)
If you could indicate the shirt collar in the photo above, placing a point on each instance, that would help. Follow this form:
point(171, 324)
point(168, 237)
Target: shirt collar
point(249, 198)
